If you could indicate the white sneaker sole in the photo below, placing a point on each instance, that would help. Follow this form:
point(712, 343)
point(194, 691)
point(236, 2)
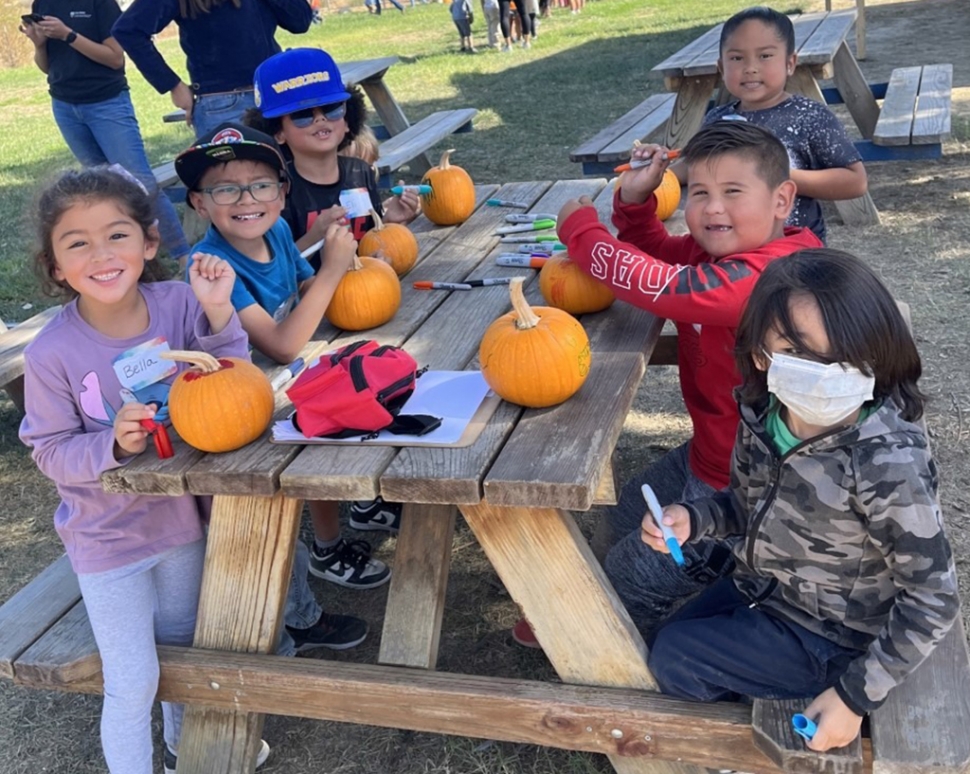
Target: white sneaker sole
point(322, 575)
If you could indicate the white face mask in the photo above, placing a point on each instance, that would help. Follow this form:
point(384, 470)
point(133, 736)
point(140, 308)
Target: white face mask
point(817, 393)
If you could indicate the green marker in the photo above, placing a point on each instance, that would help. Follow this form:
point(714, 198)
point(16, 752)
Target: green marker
point(539, 225)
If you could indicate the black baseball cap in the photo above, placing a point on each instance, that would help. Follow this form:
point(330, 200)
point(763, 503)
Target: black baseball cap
point(228, 142)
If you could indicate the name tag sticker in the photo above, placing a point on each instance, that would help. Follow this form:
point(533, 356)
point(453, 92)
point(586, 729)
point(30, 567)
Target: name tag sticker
point(143, 365)
point(356, 201)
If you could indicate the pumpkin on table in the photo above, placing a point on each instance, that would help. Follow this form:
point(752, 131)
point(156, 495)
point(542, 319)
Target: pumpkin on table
point(368, 295)
point(534, 356)
point(452, 197)
point(668, 195)
point(393, 241)
point(565, 286)
point(219, 405)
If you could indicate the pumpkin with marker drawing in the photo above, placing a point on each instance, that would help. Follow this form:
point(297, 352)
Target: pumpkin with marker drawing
point(534, 356)
point(565, 286)
point(452, 197)
point(219, 405)
point(368, 295)
point(392, 241)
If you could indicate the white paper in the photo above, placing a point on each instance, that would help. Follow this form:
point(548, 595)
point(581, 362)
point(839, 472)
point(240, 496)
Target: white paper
point(452, 395)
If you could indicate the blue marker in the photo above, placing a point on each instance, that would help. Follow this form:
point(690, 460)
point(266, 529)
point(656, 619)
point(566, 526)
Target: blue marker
point(287, 373)
point(420, 190)
point(658, 514)
point(507, 203)
point(804, 727)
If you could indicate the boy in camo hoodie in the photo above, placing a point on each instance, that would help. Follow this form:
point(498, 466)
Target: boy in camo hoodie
point(844, 579)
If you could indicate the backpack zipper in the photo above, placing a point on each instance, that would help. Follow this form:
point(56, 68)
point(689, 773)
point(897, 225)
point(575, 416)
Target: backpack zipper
point(346, 352)
point(393, 387)
point(357, 376)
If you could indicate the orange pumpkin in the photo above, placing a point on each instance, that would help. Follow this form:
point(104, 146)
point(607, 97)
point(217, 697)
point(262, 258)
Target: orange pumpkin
point(668, 195)
point(393, 241)
point(367, 296)
point(452, 197)
point(219, 405)
point(565, 286)
point(535, 357)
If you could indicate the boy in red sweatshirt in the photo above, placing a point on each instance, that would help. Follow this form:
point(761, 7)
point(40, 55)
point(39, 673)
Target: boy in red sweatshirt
point(739, 195)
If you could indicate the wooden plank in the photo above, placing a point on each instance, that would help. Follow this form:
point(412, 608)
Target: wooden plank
point(14, 341)
point(855, 91)
point(248, 558)
point(549, 570)
point(607, 490)
point(689, 109)
point(416, 599)
point(923, 725)
point(554, 456)
point(931, 121)
point(895, 125)
point(821, 45)
point(165, 173)
point(665, 350)
point(590, 150)
point(773, 734)
point(65, 654)
point(620, 148)
point(361, 70)
point(860, 29)
point(419, 137)
point(34, 609)
point(673, 66)
point(805, 25)
point(392, 116)
point(147, 474)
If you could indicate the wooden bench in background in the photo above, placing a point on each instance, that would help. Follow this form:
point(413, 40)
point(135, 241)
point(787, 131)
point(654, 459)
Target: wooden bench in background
point(916, 109)
point(12, 345)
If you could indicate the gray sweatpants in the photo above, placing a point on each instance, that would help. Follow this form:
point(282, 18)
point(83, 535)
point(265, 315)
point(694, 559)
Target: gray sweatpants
point(649, 583)
point(132, 608)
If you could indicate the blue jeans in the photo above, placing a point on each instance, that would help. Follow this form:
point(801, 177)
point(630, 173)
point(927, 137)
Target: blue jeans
point(107, 133)
point(302, 609)
point(210, 110)
point(718, 647)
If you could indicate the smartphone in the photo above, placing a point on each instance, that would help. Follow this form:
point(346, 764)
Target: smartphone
point(30, 18)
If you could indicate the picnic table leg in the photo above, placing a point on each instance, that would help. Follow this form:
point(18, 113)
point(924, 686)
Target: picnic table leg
point(689, 108)
point(392, 116)
point(855, 91)
point(855, 212)
point(548, 568)
point(416, 600)
point(248, 558)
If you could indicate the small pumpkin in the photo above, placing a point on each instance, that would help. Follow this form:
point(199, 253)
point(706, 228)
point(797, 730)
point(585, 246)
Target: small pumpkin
point(452, 197)
point(219, 405)
point(534, 357)
point(668, 195)
point(392, 240)
point(565, 286)
point(368, 295)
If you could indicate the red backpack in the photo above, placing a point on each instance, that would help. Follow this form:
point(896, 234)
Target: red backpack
point(358, 390)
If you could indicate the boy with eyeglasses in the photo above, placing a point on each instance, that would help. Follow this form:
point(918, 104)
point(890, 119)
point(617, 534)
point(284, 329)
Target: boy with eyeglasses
point(301, 100)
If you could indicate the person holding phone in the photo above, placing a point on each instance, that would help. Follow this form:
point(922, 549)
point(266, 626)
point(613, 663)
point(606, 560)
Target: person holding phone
point(85, 70)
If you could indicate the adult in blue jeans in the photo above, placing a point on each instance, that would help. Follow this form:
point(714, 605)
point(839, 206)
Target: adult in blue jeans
point(224, 42)
point(85, 70)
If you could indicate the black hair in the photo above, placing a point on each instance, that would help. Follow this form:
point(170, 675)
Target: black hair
point(189, 9)
point(767, 16)
point(355, 117)
point(87, 187)
point(743, 139)
point(864, 325)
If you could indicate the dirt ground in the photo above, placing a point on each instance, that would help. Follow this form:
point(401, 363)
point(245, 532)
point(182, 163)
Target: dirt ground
point(922, 249)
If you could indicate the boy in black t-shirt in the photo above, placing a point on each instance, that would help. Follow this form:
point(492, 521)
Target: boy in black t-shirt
point(302, 101)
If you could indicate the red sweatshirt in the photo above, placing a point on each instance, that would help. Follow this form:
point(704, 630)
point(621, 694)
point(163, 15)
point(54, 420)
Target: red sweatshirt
point(672, 277)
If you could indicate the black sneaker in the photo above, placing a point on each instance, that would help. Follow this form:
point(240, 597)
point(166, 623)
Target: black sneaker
point(336, 632)
point(171, 759)
point(376, 515)
point(348, 564)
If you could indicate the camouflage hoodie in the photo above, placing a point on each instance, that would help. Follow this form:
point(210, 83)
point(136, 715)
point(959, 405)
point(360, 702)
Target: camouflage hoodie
point(842, 535)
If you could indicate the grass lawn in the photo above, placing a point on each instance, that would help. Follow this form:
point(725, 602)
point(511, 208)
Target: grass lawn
point(534, 106)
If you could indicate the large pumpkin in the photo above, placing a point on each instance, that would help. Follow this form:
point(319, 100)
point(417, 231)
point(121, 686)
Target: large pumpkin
point(668, 195)
point(393, 241)
point(565, 286)
point(219, 405)
point(367, 296)
point(452, 197)
point(535, 357)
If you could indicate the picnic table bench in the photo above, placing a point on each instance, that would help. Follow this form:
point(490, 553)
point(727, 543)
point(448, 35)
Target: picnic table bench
point(13, 342)
point(515, 486)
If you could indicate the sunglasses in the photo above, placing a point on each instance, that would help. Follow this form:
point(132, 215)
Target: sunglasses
point(303, 118)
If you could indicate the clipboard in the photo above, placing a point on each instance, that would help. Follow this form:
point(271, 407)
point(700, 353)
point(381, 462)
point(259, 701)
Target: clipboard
point(462, 398)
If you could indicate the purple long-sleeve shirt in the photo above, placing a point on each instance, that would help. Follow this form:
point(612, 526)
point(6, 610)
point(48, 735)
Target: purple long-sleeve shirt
point(72, 394)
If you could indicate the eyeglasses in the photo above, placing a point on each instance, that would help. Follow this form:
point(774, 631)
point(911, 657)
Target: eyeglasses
point(303, 118)
point(232, 194)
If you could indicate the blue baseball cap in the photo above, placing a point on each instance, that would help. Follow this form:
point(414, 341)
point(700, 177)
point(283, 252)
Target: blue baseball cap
point(297, 79)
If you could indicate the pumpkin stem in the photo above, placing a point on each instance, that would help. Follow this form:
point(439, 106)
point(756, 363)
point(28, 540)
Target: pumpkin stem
point(357, 265)
point(525, 318)
point(378, 221)
point(445, 163)
point(205, 362)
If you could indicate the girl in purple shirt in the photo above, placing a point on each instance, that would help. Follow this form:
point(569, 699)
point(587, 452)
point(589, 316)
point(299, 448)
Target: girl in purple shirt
point(91, 376)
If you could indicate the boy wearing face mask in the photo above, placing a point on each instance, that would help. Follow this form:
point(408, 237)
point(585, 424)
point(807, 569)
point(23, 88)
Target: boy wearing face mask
point(845, 580)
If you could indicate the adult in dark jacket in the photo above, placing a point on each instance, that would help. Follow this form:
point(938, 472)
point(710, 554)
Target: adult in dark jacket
point(224, 42)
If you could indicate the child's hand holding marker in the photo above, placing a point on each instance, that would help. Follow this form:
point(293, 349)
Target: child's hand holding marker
point(640, 163)
point(664, 529)
point(641, 180)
